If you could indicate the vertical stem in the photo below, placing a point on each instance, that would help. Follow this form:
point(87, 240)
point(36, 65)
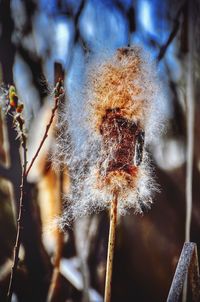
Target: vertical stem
point(190, 125)
point(190, 132)
point(19, 222)
point(111, 246)
point(53, 294)
point(54, 285)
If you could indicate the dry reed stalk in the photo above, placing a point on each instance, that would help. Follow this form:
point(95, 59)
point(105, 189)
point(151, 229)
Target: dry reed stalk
point(190, 101)
point(54, 285)
point(111, 248)
point(190, 125)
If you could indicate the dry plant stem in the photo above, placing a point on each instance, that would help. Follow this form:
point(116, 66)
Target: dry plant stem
point(45, 134)
point(53, 293)
point(190, 127)
point(190, 132)
point(19, 220)
point(25, 173)
point(54, 285)
point(111, 247)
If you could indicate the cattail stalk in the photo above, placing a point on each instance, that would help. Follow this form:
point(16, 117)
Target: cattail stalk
point(111, 248)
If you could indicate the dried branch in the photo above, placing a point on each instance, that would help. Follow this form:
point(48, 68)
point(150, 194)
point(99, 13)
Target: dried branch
point(21, 210)
point(46, 132)
point(25, 171)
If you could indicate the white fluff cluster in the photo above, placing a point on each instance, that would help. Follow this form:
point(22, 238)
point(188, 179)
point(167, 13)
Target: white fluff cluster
point(126, 81)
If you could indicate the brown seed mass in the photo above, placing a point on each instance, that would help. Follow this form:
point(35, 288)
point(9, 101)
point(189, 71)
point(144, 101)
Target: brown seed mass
point(119, 138)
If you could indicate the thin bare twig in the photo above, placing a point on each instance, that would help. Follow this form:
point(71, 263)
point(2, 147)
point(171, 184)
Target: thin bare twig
point(25, 171)
point(111, 247)
point(45, 134)
point(21, 212)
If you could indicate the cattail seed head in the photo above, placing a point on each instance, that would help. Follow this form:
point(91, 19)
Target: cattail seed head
point(120, 95)
point(120, 105)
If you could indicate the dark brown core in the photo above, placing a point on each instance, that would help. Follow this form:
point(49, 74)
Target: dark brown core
point(119, 139)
